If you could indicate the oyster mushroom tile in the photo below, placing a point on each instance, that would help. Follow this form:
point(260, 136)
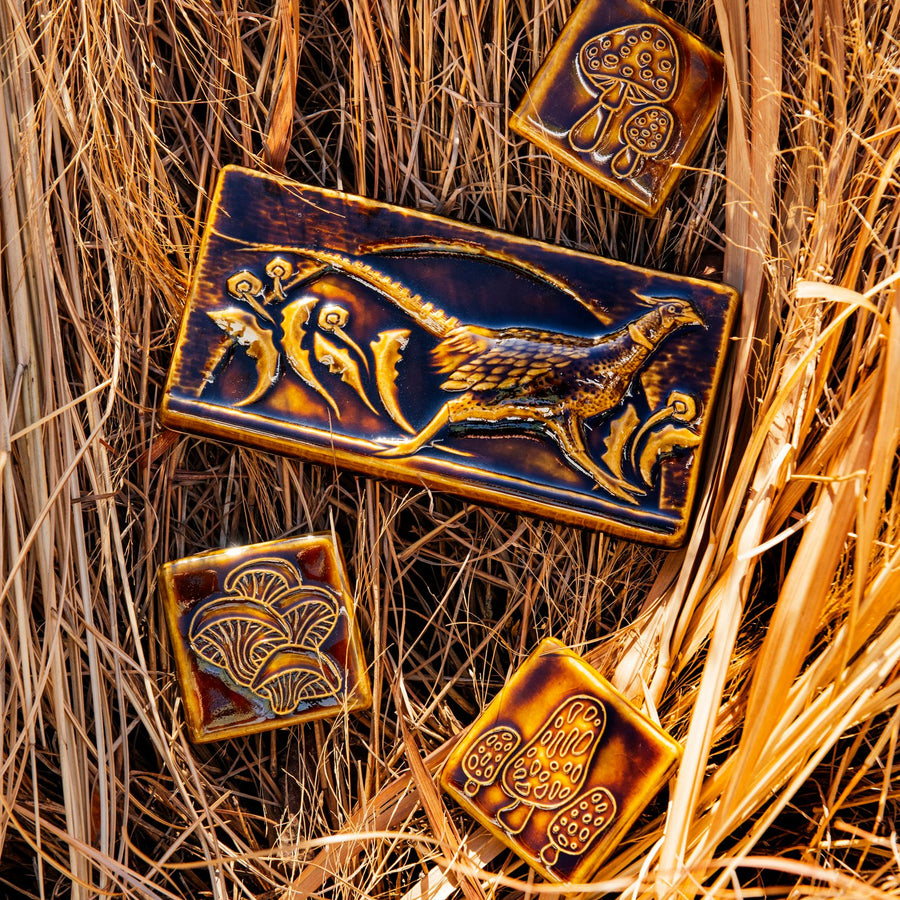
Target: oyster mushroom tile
point(625, 97)
point(263, 636)
point(559, 765)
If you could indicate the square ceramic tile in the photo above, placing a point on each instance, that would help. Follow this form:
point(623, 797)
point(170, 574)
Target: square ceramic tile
point(625, 94)
point(264, 636)
point(559, 765)
point(406, 346)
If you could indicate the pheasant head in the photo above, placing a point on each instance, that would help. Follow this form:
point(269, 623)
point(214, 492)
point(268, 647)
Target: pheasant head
point(668, 314)
point(679, 312)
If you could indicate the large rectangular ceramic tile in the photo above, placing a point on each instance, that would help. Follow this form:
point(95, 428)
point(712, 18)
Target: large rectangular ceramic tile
point(403, 345)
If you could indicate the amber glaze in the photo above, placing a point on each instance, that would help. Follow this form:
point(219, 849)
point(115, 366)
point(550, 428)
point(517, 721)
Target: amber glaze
point(407, 346)
point(625, 96)
point(263, 636)
point(559, 765)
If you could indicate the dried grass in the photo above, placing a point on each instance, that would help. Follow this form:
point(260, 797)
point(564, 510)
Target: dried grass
point(770, 645)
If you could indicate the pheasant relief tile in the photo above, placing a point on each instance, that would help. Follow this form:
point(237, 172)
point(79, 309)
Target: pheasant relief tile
point(407, 346)
point(559, 765)
point(263, 636)
point(625, 96)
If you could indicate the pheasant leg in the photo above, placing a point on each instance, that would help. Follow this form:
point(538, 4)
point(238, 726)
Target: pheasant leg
point(567, 432)
point(563, 428)
point(415, 443)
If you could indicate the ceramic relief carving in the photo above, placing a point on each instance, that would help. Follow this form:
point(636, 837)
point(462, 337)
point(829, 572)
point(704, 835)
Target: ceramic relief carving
point(625, 96)
point(408, 346)
point(559, 765)
point(263, 636)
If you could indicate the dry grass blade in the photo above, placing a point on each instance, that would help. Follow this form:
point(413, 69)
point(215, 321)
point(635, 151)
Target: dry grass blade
point(770, 644)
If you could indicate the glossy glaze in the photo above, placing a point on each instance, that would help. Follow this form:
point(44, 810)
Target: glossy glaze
point(408, 346)
point(625, 95)
point(559, 765)
point(263, 636)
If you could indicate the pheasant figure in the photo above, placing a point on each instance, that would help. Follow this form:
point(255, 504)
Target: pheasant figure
point(525, 379)
point(517, 379)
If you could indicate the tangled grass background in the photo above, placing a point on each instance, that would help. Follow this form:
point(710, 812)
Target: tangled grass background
point(770, 645)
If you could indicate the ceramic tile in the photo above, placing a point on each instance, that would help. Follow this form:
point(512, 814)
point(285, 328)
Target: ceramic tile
point(559, 765)
point(625, 96)
point(406, 346)
point(263, 636)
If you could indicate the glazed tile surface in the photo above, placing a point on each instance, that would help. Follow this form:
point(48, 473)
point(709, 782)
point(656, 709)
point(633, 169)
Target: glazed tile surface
point(624, 95)
point(263, 636)
point(407, 346)
point(559, 765)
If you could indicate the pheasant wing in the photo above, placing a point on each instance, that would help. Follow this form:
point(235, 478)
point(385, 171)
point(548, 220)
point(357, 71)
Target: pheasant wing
point(478, 359)
point(461, 345)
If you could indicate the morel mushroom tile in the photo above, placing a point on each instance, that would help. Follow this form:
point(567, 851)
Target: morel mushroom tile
point(624, 96)
point(402, 345)
point(559, 765)
point(263, 636)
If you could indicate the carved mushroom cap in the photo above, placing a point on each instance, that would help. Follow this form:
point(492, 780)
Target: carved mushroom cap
point(649, 130)
point(640, 61)
point(292, 676)
point(310, 614)
point(236, 635)
point(575, 827)
point(263, 579)
point(552, 767)
point(491, 750)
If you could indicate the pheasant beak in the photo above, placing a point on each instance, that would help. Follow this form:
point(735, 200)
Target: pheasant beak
point(691, 317)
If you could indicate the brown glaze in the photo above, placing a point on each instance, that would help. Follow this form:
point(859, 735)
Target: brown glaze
point(264, 636)
point(404, 345)
point(625, 96)
point(559, 765)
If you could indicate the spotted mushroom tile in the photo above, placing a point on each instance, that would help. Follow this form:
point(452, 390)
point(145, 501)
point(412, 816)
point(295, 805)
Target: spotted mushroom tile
point(559, 765)
point(264, 636)
point(625, 96)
